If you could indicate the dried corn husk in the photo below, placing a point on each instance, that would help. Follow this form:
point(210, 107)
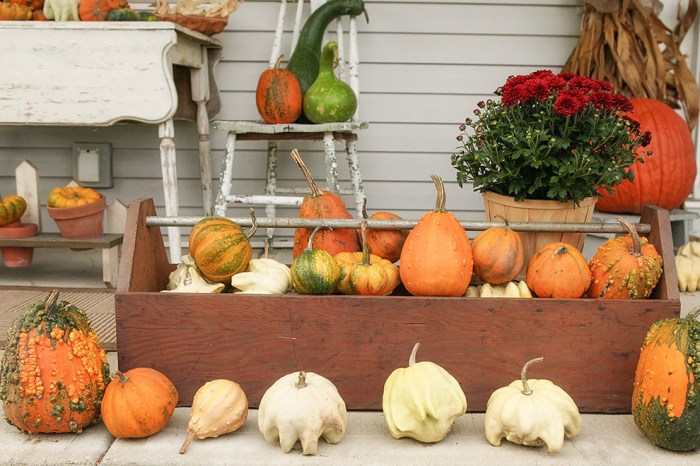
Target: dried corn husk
point(625, 43)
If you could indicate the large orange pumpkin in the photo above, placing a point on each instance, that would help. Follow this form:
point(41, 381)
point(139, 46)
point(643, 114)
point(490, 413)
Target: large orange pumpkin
point(278, 95)
point(54, 371)
point(138, 403)
point(498, 254)
point(436, 259)
point(666, 177)
point(323, 204)
point(558, 270)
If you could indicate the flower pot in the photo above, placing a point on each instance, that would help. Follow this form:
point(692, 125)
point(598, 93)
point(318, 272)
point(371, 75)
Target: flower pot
point(80, 222)
point(535, 210)
point(17, 256)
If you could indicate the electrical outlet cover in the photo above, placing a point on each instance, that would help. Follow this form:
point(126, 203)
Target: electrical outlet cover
point(92, 164)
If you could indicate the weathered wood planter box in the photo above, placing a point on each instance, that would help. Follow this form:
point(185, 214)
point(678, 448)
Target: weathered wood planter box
point(590, 347)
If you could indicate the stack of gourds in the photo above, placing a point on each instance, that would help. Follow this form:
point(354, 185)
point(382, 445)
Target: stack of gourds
point(71, 10)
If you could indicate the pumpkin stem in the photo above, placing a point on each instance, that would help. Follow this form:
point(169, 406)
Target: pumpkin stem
point(188, 440)
point(315, 192)
point(253, 228)
point(123, 378)
point(505, 220)
point(51, 300)
point(301, 383)
point(266, 247)
point(526, 387)
point(692, 315)
point(412, 359)
point(560, 250)
point(364, 209)
point(365, 246)
point(313, 233)
point(636, 242)
point(277, 65)
point(440, 188)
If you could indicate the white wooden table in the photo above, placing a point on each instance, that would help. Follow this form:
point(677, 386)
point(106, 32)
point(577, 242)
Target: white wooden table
point(100, 73)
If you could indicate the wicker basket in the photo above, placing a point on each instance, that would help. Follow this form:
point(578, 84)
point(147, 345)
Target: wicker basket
point(205, 25)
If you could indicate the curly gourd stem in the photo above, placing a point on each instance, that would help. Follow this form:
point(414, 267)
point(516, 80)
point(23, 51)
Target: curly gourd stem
point(526, 388)
point(440, 188)
point(364, 209)
point(365, 247)
point(412, 359)
point(254, 227)
point(315, 192)
point(311, 236)
point(51, 300)
point(301, 383)
point(123, 378)
point(279, 60)
point(636, 242)
point(188, 440)
point(505, 220)
point(694, 314)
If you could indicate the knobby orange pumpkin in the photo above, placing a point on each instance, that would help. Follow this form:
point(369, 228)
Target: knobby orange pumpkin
point(498, 254)
point(436, 259)
point(666, 395)
point(666, 177)
point(34, 5)
point(72, 196)
point(220, 248)
point(322, 204)
point(625, 267)
point(386, 244)
point(278, 95)
point(138, 403)
point(11, 209)
point(54, 371)
point(558, 270)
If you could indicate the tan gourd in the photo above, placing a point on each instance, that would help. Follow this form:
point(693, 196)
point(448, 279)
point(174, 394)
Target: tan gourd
point(508, 290)
point(688, 266)
point(219, 407)
point(264, 276)
point(186, 278)
point(422, 401)
point(302, 406)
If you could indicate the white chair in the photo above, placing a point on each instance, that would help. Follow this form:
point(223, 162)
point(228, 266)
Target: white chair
point(329, 133)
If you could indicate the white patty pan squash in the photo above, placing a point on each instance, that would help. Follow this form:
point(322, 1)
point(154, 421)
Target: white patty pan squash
point(531, 412)
point(302, 406)
point(422, 401)
point(186, 278)
point(265, 276)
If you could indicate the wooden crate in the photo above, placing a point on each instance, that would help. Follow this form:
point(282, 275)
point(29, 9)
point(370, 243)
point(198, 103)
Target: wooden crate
point(590, 347)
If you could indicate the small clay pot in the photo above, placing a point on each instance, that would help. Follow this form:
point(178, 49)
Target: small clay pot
point(17, 256)
point(80, 222)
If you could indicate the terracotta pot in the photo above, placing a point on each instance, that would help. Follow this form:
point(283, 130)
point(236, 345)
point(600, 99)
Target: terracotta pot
point(17, 256)
point(535, 210)
point(80, 222)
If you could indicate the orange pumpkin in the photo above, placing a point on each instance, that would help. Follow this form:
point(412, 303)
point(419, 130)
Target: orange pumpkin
point(138, 403)
point(498, 254)
point(278, 95)
point(94, 10)
point(34, 5)
point(323, 204)
point(436, 259)
point(625, 267)
point(365, 273)
point(666, 177)
point(220, 248)
point(558, 270)
point(11, 209)
point(386, 244)
point(14, 12)
point(72, 196)
point(54, 371)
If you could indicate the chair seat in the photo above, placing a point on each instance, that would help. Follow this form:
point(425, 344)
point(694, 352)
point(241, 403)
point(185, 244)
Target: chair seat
point(294, 130)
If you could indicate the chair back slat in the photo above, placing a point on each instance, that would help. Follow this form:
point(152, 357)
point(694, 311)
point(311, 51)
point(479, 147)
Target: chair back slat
point(279, 31)
point(298, 21)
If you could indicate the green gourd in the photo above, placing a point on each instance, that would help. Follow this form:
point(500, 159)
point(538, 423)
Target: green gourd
point(329, 99)
point(315, 271)
point(305, 59)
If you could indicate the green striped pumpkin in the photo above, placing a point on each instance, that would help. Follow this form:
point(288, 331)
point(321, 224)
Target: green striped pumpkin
point(220, 248)
point(315, 271)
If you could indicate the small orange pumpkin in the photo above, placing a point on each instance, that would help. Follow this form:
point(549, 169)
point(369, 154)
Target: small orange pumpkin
point(72, 196)
point(14, 12)
point(94, 10)
point(278, 95)
point(138, 403)
point(386, 244)
point(11, 209)
point(498, 254)
point(558, 270)
point(436, 259)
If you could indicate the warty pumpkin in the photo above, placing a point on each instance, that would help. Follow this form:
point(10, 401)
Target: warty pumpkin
point(666, 395)
point(278, 95)
point(666, 177)
point(315, 271)
point(72, 196)
point(322, 204)
point(625, 267)
point(558, 270)
point(498, 254)
point(11, 209)
point(436, 259)
point(386, 244)
point(53, 372)
point(138, 403)
point(220, 248)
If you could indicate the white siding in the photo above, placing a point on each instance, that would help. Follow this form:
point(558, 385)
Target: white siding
point(424, 65)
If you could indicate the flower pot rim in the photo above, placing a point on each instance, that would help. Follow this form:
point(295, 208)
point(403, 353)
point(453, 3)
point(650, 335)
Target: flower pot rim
point(77, 211)
point(23, 231)
point(541, 203)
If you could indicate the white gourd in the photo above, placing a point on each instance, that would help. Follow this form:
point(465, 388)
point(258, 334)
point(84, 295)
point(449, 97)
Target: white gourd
point(507, 290)
point(531, 412)
point(302, 406)
point(688, 266)
point(265, 276)
point(186, 278)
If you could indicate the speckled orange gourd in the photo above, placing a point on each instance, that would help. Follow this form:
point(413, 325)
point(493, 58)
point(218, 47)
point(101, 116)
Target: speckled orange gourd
point(54, 371)
point(558, 270)
point(625, 267)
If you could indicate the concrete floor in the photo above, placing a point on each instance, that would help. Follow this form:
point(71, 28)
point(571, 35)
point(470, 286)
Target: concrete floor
point(603, 440)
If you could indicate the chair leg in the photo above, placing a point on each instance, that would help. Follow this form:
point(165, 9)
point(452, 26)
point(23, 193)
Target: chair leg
point(271, 187)
point(331, 163)
point(355, 176)
point(225, 176)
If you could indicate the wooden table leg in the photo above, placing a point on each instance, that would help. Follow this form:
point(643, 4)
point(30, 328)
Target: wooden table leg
point(110, 266)
point(168, 161)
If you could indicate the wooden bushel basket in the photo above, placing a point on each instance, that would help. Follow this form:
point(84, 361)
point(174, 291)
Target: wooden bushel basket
point(590, 347)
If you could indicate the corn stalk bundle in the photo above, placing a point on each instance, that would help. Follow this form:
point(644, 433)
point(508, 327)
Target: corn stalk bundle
point(625, 43)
